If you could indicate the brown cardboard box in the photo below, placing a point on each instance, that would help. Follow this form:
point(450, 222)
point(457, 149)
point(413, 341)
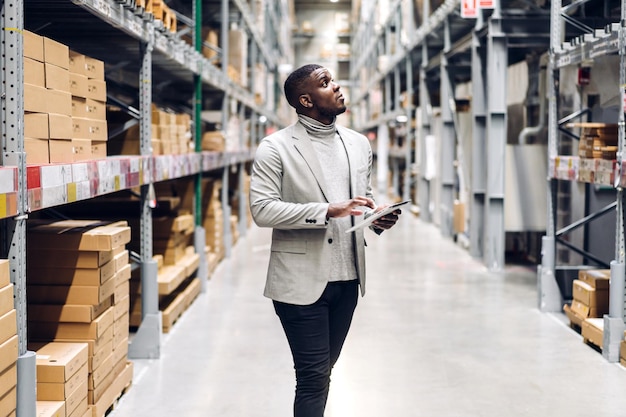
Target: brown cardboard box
point(36, 126)
point(109, 396)
point(34, 72)
point(37, 151)
point(584, 311)
point(51, 409)
point(94, 68)
point(122, 306)
point(71, 313)
point(97, 362)
point(58, 362)
point(88, 109)
point(121, 259)
point(6, 299)
point(61, 151)
point(59, 391)
point(8, 379)
point(74, 294)
point(590, 296)
point(57, 78)
point(49, 275)
point(61, 258)
point(76, 331)
point(8, 325)
point(597, 278)
point(59, 126)
point(81, 409)
point(8, 403)
point(91, 129)
point(98, 149)
point(77, 63)
point(78, 87)
point(5, 273)
point(59, 101)
point(8, 353)
point(77, 234)
point(82, 149)
point(76, 399)
point(458, 216)
point(95, 346)
point(33, 46)
point(56, 53)
point(35, 99)
point(96, 89)
point(592, 331)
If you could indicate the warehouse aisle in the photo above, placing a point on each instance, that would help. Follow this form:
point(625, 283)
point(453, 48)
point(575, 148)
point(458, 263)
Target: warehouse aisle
point(436, 335)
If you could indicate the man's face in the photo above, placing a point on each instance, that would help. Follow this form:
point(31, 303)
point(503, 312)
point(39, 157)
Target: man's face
point(325, 94)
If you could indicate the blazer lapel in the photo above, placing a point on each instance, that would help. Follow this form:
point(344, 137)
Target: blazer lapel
point(304, 146)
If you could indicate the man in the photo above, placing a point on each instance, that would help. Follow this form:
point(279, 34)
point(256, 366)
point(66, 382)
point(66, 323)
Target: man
point(308, 181)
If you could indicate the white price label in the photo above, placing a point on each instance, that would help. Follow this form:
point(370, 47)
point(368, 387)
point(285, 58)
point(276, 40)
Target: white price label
point(161, 43)
point(179, 56)
point(135, 27)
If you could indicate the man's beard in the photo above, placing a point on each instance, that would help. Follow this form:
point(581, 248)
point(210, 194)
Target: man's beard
point(333, 112)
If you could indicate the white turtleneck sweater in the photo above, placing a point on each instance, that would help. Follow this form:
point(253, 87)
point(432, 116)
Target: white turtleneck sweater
point(332, 156)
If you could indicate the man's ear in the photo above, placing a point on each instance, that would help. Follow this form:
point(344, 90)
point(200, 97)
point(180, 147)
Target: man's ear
point(305, 101)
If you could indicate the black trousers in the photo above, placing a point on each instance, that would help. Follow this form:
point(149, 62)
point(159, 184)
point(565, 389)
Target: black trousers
point(316, 334)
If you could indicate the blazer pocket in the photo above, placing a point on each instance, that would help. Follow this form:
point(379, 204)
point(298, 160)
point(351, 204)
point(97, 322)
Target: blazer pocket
point(289, 246)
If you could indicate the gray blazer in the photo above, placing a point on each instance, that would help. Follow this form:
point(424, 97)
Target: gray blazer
point(287, 193)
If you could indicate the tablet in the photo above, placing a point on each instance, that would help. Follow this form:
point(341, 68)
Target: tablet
point(369, 220)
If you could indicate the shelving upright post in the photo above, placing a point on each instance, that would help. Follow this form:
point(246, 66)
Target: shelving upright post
point(146, 344)
point(14, 229)
point(228, 237)
point(424, 188)
point(448, 139)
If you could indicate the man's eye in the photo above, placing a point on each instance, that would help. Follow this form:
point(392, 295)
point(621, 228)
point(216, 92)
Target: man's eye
point(325, 83)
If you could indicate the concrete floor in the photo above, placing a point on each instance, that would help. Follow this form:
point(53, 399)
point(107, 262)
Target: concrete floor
point(436, 335)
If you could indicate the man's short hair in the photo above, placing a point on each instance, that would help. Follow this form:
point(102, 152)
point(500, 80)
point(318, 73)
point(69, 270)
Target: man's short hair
point(294, 82)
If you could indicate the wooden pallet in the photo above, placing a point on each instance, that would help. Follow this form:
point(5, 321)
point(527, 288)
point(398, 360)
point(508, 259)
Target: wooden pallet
point(179, 304)
point(110, 398)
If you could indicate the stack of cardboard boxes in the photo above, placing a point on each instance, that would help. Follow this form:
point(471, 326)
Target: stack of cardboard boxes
point(8, 344)
point(171, 133)
point(62, 379)
point(78, 291)
point(213, 218)
point(64, 103)
point(590, 303)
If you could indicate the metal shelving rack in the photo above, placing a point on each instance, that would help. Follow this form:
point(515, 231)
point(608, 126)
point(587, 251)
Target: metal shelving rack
point(438, 53)
point(578, 49)
point(157, 51)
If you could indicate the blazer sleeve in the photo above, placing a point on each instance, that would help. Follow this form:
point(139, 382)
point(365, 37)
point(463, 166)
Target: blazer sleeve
point(267, 205)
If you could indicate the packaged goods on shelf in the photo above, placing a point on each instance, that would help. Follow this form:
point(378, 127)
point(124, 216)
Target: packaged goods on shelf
point(62, 372)
point(590, 296)
point(592, 331)
point(210, 36)
point(8, 342)
point(50, 408)
point(238, 56)
point(78, 292)
point(213, 141)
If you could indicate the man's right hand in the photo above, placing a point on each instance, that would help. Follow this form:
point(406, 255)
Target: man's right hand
point(349, 207)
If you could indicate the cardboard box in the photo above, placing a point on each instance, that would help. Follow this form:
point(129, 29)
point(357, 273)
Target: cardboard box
point(98, 149)
point(50, 409)
point(76, 399)
point(8, 325)
point(8, 403)
point(8, 353)
point(88, 108)
point(597, 278)
point(81, 409)
point(58, 362)
point(33, 46)
point(47, 275)
point(118, 386)
point(6, 299)
point(77, 63)
point(74, 331)
point(81, 235)
point(590, 296)
point(59, 102)
point(34, 72)
point(8, 379)
point(61, 258)
point(97, 90)
point(121, 307)
point(73, 294)
point(78, 87)
point(56, 53)
point(5, 273)
point(95, 346)
point(91, 129)
point(36, 125)
point(60, 151)
point(57, 78)
point(35, 99)
point(592, 331)
point(71, 313)
point(94, 68)
point(37, 151)
point(59, 391)
point(59, 126)
point(82, 149)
